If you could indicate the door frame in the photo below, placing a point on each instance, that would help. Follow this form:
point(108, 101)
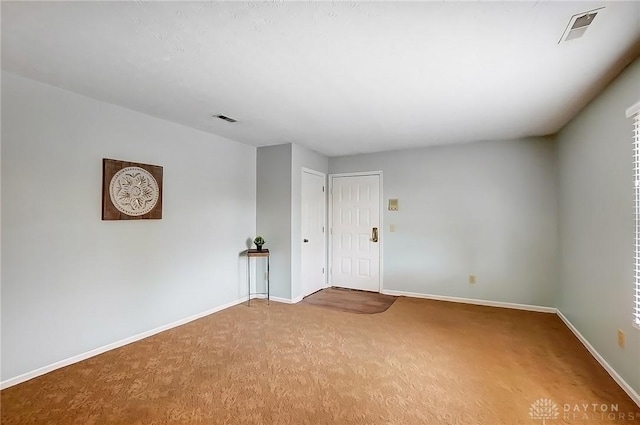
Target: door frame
point(325, 223)
point(330, 223)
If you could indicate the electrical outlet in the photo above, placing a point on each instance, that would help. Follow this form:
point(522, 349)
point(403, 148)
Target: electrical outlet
point(621, 338)
point(472, 279)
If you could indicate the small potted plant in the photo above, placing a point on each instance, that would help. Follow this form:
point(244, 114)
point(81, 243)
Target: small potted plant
point(259, 241)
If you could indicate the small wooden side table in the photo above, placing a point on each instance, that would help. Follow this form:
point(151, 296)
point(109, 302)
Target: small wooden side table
point(256, 253)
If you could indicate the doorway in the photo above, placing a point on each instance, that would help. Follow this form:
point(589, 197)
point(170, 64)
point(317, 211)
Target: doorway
point(355, 231)
point(313, 217)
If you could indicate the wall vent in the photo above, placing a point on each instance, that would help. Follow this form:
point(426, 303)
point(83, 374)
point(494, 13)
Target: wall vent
point(224, 117)
point(578, 25)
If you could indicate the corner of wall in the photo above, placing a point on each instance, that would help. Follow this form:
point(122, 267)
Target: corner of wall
point(273, 213)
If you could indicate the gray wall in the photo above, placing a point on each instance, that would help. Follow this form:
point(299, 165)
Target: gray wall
point(274, 215)
point(487, 209)
point(302, 157)
point(72, 282)
point(279, 211)
point(596, 216)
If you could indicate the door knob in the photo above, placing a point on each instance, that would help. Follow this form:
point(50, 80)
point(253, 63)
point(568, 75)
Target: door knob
point(305, 240)
point(374, 234)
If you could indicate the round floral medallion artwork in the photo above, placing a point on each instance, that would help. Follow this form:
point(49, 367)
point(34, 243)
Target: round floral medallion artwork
point(134, 191)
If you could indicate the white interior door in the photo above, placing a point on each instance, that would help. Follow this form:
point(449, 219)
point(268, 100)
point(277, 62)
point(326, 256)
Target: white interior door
point(313, 235)
point(355, 232)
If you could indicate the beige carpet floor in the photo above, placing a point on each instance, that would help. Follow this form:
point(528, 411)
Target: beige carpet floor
point(419, 362)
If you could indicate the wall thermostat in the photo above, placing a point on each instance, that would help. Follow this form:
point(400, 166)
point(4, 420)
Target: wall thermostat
point(393, 205)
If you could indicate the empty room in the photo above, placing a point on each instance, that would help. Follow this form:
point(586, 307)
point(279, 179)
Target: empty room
point(352, 213)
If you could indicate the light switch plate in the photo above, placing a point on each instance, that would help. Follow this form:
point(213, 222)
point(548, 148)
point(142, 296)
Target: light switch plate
point(621, 338)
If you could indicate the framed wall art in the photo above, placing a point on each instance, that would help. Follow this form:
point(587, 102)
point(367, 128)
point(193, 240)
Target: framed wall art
point(131, 191)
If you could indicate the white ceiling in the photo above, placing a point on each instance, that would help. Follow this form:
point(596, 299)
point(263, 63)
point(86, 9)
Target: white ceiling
point(339, 77)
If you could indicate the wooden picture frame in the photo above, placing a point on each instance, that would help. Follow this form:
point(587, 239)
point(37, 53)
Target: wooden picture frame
point(131, 190)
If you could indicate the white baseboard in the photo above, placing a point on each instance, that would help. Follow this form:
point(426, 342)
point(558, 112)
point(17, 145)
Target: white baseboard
point(610, 370)
point(286, 300)
point(276, 299)
point(78, 358)
point(501, 304)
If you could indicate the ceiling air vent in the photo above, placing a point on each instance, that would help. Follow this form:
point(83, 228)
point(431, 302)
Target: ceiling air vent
point(226, 118)
point(578, 25)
